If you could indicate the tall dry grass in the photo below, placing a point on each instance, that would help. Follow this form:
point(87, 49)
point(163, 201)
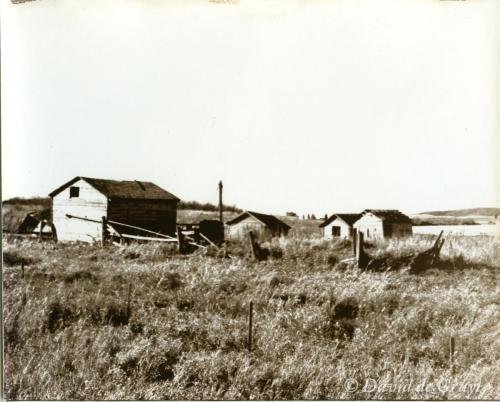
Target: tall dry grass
point(317, 322)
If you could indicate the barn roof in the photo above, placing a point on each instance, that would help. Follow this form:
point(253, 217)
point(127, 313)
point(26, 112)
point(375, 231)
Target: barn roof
point(123, 189)
point(389, 215)
point(347, 218)
point(268, 220)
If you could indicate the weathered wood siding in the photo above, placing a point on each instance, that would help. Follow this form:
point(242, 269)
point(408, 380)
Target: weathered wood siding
point(241, 229)
point(371, 227)
point(90, 204)
point(345, 229)
point(398, 229)
point(374, 228)
point(156, 215)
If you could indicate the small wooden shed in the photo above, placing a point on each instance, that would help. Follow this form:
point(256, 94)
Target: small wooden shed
point(383, 223)
point(339, 226)
point(260, 224)
point(79, 205)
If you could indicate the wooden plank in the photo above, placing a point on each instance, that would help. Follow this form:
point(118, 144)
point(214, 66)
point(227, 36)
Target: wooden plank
point(207, 239)
point(138, 228)
point(83, 219)
point(128, 236)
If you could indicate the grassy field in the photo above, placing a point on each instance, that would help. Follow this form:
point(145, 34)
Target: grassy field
point(322, 327)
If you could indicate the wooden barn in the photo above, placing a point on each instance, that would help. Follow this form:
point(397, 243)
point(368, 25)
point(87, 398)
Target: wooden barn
point(260, 224)
point(79, 205)
point(339, 226)
point(382, 223)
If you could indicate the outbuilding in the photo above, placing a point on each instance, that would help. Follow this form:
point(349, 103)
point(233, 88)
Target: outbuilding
point(79, 205)
point(260, 224)
point(383, 223)
point(339, 226)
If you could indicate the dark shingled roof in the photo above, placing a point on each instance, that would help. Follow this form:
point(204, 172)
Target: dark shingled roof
point(389, 215)
point(347, 218)
point(268, 220)
point(123, 189)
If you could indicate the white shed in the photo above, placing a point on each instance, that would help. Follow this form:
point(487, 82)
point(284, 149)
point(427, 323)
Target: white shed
point(382, 223)
point(339, 226)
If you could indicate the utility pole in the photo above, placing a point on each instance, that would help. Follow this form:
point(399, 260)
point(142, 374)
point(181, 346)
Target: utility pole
point(220, 202)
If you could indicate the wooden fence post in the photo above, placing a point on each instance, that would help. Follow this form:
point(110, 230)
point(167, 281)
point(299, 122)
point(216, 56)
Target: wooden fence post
point(54, 232)
point(180, 240)
point(252, 244)
point(452, 354)
point(42, 224)
point(250, 323)
point(354, 239)
point(359, 246)
point(103, 230)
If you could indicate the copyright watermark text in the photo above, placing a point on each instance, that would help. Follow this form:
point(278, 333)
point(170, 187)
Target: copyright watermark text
point(449, 387)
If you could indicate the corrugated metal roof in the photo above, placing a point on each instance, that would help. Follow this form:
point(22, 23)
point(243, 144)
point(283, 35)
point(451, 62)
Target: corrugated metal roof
point(122, 189)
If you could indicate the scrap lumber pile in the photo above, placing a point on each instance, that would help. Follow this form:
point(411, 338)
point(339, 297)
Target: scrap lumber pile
point(428, 258)
point(417, 263)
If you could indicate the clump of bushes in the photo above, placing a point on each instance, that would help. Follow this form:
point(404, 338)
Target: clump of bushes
point(339, 319)
point(275, 252)
point(116, 315)
point(58, 316)
point(332, 260)
point(79, 276)
point(13, 258)
point(170, 280)
point(131, 255)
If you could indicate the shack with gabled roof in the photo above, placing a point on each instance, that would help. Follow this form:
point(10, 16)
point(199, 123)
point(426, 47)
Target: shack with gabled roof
point(260, 224)
point(79, 205)
point(382, 223)
point(339, 226)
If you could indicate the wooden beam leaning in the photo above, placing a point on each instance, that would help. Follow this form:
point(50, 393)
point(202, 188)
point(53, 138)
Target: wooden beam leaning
point(427, 258)
point(139, 228)
point(208, 240)
point(135, 237)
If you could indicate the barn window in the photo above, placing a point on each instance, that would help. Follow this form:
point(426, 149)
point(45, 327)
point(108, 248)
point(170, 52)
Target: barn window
point(74, 192)
point(335, 231)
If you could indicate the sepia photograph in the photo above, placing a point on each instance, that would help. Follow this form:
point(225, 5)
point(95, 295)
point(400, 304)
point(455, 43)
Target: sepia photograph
point(250, 199)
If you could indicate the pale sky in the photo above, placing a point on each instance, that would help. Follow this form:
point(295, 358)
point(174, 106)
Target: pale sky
point(305, 106)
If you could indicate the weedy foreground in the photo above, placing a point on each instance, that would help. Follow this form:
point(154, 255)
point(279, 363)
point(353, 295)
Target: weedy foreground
point(141, 322)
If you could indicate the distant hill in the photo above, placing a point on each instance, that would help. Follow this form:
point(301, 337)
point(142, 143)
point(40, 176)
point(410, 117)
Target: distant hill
point(465, 212)
point(42, 202)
